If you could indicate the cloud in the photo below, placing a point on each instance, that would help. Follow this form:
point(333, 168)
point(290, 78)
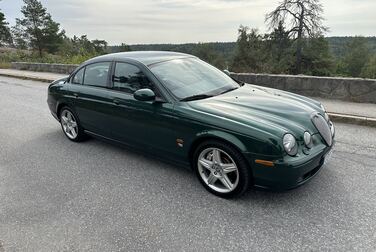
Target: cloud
point(178, 21)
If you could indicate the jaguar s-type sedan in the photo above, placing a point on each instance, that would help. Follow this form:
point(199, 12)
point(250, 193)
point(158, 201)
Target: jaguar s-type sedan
point(177, 107)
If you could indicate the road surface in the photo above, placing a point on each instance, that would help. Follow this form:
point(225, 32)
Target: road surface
point(56, 195)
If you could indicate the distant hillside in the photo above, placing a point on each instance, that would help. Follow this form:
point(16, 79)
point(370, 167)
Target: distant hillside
point(224, 48)
point(336, 45)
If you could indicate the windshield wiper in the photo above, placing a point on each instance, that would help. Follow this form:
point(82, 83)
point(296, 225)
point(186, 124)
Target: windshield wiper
point(196, 97)
point(228, 90)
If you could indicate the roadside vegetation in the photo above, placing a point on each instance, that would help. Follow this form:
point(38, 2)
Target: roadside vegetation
point(295, 44)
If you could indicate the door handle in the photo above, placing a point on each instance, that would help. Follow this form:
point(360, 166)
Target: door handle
point(116, 102)
point(75, 95)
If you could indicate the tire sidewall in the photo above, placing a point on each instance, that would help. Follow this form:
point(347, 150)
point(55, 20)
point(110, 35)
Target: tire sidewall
point(80, 133)
point(243, 167)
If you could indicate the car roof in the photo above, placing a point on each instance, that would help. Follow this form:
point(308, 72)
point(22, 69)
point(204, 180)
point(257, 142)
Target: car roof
point(144, 57)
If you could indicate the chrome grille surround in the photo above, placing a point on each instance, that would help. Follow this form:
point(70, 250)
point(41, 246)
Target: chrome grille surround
point(323, 127)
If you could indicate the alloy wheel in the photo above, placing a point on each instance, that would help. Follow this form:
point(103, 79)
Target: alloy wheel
point(218, 170)
point(69, 123)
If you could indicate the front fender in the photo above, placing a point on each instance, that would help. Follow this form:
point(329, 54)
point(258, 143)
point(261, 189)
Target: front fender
point(223, 136)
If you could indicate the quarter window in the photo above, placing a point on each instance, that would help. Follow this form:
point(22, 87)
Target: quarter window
point(79, 77)
point(129, 78)
point(97, 74)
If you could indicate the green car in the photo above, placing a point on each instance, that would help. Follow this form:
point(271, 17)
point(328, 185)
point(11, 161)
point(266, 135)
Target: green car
point(179, 108)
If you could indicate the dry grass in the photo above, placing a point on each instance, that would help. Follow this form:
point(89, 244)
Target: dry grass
point(5, 65)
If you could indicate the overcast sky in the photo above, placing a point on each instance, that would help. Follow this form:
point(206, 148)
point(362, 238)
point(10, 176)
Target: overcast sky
point(179, 21)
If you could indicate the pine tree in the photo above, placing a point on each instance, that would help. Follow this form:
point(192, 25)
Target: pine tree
point(206, 52)
point(279, 50)
point(5, 35)
point(249, 55)
point(356, 56)
point(369, 69)
point(37, 29)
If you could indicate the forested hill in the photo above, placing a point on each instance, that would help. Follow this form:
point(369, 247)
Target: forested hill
point(224, 48)
point(337, 46)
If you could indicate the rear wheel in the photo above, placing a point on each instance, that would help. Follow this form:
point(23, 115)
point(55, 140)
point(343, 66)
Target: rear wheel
point(221, 169)
point(71, 125)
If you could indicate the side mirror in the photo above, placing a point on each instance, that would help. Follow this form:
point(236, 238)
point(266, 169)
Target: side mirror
point(144, 94)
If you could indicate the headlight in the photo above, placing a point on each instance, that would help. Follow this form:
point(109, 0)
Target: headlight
point(308, 139)
point(326, 116)
point(332, 129)
point(290, 145)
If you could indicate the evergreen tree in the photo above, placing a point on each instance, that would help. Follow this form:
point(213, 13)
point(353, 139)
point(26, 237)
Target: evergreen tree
point(316, 58)
point(37, 29)
point(356, 56)
point(5, 35)
point(124, 48)
point(249, 54)
point(207, 53)
point(279, 50)
point(369, 69)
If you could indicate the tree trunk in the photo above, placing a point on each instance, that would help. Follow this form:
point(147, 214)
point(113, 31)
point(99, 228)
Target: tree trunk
point(299, 43)
point(40, 51)
point(298, 55)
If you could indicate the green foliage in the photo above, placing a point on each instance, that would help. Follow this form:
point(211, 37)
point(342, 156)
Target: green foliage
point(280, 53)
point(121, 48)
point(338, 45)
point(226, 49)
point(82, 46)
point(357, 54)
point(5, 35)
point(316, 57)
point(207, 53)
point(275, 53)
point(249, 54)
point(369, 69)
point(26, 56)
point(36, 29)
point(304, 20)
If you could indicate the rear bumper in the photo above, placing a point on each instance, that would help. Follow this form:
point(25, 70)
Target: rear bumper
point(55, 116)
point(52, 106)
point(288, 174)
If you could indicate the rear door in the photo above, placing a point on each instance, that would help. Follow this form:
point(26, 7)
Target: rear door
point(92, 102)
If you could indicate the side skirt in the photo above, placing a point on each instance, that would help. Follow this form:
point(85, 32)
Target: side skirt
point(148, 151)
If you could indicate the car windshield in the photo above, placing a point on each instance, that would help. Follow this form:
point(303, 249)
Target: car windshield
point(191, 78)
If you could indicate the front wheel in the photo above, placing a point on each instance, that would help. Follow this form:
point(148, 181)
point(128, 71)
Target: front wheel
point(221, 169)
point(71, 125)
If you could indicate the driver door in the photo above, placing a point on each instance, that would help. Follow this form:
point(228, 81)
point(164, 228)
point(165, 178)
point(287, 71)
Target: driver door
point(138, 123)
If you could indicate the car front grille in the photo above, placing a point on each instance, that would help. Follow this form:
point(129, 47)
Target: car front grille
point(323, 127)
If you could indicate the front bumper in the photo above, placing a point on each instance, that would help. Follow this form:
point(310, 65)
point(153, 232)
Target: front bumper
point(288, 173)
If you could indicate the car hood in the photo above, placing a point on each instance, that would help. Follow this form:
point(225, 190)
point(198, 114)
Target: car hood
point(270, 110)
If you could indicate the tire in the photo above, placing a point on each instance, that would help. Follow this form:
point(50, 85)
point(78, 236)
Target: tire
point(221, 169)
point(71, 126)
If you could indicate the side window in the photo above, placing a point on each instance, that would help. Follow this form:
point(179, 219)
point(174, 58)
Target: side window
point(79, 77)
point(129, 78)
point(96, 74)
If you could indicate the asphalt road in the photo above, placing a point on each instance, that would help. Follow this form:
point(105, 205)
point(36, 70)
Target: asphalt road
point(56, 195)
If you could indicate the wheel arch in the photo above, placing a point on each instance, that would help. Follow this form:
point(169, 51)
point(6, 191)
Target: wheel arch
point(217, 136)
point(59, 107)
